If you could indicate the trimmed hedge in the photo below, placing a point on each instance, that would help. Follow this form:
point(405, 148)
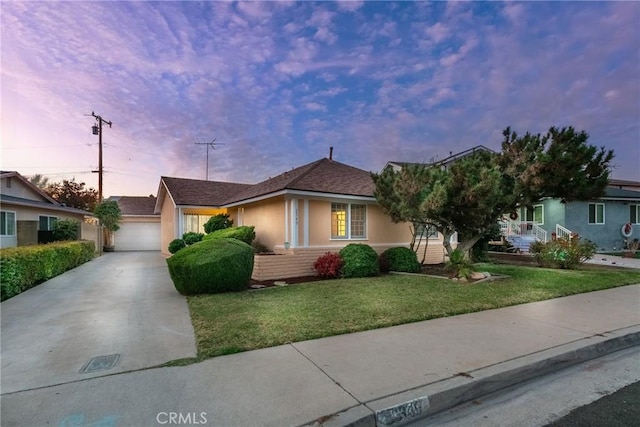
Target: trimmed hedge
point(399, 259)
point(212, 266)
point(23, 267)
point(359, 260)
point(243, 233)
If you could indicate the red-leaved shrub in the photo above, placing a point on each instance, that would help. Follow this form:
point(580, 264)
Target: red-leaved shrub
point(328, 265)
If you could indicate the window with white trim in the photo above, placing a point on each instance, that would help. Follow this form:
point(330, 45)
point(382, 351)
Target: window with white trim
point(194, 222)
point(348, 221)
point(596, 213)
point(535, 214)
point(634, 214)
point(7, 223)
point(46, 223)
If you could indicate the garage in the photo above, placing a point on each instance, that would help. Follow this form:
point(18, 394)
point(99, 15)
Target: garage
point(138, 236)
point(139, 226)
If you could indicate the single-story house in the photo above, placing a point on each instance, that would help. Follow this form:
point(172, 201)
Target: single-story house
point(27, 213)
point(139, 226)
point(307, 211)
point(600, 221)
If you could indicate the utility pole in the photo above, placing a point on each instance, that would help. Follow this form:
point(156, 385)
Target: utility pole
point(211, 144)
point(97, 130)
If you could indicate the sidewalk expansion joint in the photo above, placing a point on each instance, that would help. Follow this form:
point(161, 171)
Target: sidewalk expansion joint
point(326, 373)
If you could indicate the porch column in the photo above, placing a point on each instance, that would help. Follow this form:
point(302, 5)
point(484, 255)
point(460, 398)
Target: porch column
point(180, 224)
point(306, 223)
point(294, 223)
point(286, 220)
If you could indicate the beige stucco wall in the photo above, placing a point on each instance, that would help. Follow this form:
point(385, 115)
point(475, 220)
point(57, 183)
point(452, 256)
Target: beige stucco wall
point(168, 224)
point(268, 219)
point(380, 228)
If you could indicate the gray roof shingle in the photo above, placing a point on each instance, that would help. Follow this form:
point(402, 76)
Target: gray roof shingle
point(136, 205)
point(195, 192)
point(321, 176)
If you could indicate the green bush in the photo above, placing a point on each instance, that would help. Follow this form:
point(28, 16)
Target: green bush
point(66, 229)
point(213, 266)
point(23, 267)
point(459, 265)
point(399, 259)
point(175, 245)
point(563, 253)
point(218, 222)
point(243, 233)
point(192, 237)
point(359, 260)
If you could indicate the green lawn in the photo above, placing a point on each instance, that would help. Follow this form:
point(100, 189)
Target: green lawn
point(234, 322)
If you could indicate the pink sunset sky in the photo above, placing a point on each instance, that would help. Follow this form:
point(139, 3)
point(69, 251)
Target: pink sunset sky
point(279, 82)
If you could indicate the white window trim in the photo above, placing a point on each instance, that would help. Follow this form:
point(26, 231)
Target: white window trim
point(596, 214)
point(637, 221)
point(524, 214)
point(348, 222)
point(15, 224)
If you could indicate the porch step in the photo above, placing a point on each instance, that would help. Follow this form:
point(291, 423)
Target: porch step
point(522, 243)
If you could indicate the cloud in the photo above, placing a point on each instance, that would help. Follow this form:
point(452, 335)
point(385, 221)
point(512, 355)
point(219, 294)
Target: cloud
point(314, 106)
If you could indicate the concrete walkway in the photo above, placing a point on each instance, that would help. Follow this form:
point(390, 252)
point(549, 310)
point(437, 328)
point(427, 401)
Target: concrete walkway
point(381, 377)
point(615, 261)
point(120, 303)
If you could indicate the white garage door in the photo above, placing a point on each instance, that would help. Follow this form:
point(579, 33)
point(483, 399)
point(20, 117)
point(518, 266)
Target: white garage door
point(138, 236)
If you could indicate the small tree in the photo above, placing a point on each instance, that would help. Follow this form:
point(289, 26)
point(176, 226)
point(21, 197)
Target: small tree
point(109, 214)
point(73, 194)
point(218, 222)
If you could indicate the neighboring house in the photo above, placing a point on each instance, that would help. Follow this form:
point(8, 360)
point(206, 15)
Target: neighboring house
point(140, 225)
point(25, 210)
point(307, 211)
point(446, 161)
point(600, 221)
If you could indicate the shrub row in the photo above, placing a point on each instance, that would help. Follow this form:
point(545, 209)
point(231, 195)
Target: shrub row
point(359, 260)
point(23, 267)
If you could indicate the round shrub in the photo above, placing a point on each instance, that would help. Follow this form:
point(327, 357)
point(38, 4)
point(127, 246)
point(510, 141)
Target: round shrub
point(217, 222)
point(359, 260)
point(328, 265)
point(399, 259)
point(213, 266)
point(243, 233)
point(191, 237)
point(176, 245)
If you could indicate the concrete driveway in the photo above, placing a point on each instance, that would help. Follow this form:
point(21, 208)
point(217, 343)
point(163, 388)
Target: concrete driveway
point(121, 303)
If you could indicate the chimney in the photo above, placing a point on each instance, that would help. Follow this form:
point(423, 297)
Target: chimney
point(330, 153)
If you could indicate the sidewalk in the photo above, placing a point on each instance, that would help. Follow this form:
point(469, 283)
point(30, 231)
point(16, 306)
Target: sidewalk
point(387, 376)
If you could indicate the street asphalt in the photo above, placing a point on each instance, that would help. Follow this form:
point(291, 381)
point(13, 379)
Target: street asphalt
point(387, 376)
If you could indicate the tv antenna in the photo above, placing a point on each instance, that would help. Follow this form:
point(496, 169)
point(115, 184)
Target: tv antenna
point(213, 144)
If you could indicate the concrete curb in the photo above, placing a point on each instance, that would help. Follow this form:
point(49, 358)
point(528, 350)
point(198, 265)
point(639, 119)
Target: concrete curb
point(422, 402)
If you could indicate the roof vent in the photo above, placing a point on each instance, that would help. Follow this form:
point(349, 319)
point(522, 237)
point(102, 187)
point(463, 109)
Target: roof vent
point(330, 153)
